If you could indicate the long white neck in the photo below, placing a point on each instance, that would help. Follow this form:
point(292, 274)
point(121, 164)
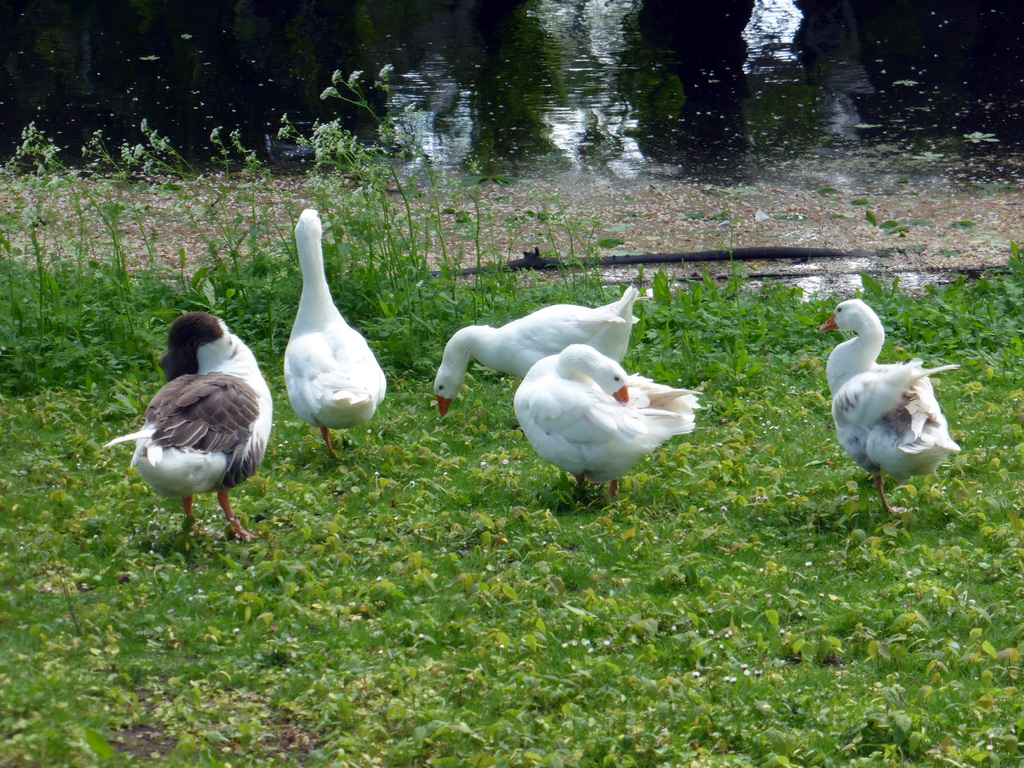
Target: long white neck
point(582, 363)
point(857, 354)
point(238, 360)
point(575, 366)
point(473, 342)
point(316, 307)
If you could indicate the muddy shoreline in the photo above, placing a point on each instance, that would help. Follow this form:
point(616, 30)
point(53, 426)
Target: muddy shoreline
point(924, 231)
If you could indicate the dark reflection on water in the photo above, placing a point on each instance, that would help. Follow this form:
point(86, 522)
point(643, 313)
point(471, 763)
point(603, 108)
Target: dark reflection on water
point(628, 88)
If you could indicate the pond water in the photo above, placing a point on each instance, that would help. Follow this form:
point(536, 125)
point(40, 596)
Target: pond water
point(629, 89)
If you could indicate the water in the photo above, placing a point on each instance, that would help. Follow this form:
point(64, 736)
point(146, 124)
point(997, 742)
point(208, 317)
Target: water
point(833, 93)
point(813, 92)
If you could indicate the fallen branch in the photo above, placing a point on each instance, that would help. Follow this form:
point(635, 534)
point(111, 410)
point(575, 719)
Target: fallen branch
point(972, 273)
point(533, 259)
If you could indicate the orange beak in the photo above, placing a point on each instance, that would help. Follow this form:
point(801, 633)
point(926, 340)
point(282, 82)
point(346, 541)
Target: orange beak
point(830, 324)
point(622, 395)
point(442, 405)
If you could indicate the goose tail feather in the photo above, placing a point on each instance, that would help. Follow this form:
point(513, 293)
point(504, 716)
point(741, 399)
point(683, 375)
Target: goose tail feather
point(142, 434)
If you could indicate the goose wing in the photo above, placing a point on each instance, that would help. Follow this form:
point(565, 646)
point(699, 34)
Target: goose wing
point(321, 366)
point(552, 329)
point(210, 412)
point(865, 398)
point(853, 437)
point(925, 426)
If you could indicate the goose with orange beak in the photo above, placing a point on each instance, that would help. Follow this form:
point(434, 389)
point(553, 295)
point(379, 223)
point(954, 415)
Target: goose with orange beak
point(516, 346)
point(207, 428)
point(583, 413)
point(886, 416)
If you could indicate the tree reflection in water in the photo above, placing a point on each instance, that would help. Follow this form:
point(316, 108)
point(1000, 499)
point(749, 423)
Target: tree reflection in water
point(624, 87)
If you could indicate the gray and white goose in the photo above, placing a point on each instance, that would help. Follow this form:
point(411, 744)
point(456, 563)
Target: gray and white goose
point(207, 428)
point(886, 416)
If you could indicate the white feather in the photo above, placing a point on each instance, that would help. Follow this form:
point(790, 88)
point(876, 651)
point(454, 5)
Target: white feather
point(566, 408)
point(142, 434)
point(886, 416)
point(516, 346)
point(332, 376)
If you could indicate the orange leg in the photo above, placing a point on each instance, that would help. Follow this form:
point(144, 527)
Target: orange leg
point(613, 486)
point(225, 504)
point(879, 483)
point(187, 501)
point(327, 439)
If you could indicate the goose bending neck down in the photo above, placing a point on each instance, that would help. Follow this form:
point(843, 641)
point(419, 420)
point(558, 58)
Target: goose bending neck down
point(516, 346)
point(583, 413)
point(332, 375)
point(206, 430)
point(886, 416)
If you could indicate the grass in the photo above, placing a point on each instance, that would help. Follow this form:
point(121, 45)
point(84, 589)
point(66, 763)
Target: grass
point(442, 597)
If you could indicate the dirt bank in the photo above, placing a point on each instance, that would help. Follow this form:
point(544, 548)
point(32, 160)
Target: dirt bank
point(912, 227)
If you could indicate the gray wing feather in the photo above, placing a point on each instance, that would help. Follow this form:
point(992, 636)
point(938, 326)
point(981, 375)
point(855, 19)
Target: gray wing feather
point(211, 412)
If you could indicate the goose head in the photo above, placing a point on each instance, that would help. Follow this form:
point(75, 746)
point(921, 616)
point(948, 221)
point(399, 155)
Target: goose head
point(581, 361)
point(451, 375)
point(196, 342)
point(852, 315)
point(447, 386)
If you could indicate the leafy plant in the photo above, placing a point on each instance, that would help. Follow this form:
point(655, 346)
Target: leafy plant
point(977, 137)
point(438, 596)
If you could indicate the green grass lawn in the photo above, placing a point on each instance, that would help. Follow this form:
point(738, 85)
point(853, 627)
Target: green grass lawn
point(439, 596)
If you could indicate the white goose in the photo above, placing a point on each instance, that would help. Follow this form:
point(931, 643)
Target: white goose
point(206, 430)
point(332, 376)
point(887, 417)
point(583, 413)
point(516, 346)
